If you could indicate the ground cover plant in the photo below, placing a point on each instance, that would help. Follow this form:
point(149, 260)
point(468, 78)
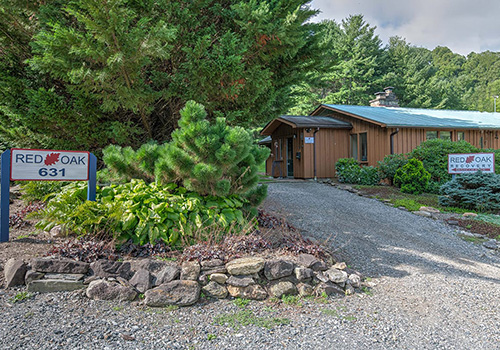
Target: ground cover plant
point(348, 170)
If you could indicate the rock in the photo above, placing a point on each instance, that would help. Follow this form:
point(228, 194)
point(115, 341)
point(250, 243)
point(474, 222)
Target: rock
point(425, 214)
point(178, 292)
point(307, 260)
point(168, 274)
point(57, 232)
point(59, 265)
point(106, 268)
point(453, 222)
point(336, 276)
point(429, 209)
point(219, 278)
point(471, 215)
point(354, 280)
point(215, 290)
point(340, 266)
point(105, 290)
point(190, 271)
point(328, 288)
point(142, 280)
point(14, 271)
point(216, 269)
point(305, 289)
point(278, 289)
point(240, 281)
point(45, 285)
point(303, 273)
point(491, 244)
point(403, 208)
point(349, 290)
point(152, 265)
point(253, 292)
point(245, 266)
point(210, 264)
point(322, 277)
point(32, 276)
point(276, 269)
point(64, 276)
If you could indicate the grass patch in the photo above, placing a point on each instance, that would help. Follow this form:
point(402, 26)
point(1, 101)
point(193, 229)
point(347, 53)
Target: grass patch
point(367, 291)
point(247, 317)
point(21, 296)
point(211, 336)
point(475, 240)
point(291, 300)
point(241, 303)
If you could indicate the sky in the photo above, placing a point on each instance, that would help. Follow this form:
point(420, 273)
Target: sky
point(462, 25)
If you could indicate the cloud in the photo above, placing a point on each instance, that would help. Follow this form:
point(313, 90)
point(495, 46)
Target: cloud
point(462, 25)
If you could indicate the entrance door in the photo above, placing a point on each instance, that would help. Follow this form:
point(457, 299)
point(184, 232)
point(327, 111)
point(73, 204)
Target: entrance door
point(289, 157)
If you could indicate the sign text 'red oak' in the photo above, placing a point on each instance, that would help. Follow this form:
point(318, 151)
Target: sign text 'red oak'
point(30, 164)
point(471, 162)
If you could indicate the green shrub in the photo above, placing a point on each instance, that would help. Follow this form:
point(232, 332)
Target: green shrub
point(412, 178)
point(142, 212)
point(390, 165)
point(434, 156)
point(349, 171)
point(478, 191)
point(40, 190)
point(208, 158)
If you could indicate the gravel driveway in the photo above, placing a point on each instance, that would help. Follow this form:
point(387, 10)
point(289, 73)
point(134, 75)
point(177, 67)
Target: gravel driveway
point(433, 291)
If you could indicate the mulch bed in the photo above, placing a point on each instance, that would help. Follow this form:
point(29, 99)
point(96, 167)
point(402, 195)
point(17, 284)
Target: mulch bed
point(483, 228)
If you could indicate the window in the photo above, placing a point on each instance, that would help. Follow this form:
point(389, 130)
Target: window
point(431, 135)
point(363, 140)
point(460, 136)
point(354, 146)
point(445, 135)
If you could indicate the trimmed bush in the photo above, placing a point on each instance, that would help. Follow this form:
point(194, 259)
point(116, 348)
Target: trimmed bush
point(412, 178)
point(390, 165)
point(478, 191)
point(349, 171)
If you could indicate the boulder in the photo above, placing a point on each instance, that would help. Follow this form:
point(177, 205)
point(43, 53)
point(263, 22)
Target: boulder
point(14, 271)
point(57, 231)
point(278, 289)
point(336, 276)
point(45, 285)
point(470, 215)
point(190, 271)
point(215, 290)
point(32, 276)
point(305, 289)
point(240, 281)
point(219, 278)
point(321, 276)
point(303, 273)
point(307, 260)
point(329, 288)
point(105, 290)
point(210, 264)
point(340, 266)
point(253, 292)
point(276, 269)
point(245, 266)
point(425, 214)
point(105, 268)
point(354, 280)
point(142, 280)
point(59, 265)
point(429, 209)
point(64, 276)
point(349, 290)
point(168, 274)
point(179, 292)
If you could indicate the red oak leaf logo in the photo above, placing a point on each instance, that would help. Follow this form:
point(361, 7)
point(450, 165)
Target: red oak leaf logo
point(469, 159)
point(52, 158)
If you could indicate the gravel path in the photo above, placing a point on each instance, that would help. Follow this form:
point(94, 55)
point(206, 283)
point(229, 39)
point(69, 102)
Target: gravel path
point(433, 291)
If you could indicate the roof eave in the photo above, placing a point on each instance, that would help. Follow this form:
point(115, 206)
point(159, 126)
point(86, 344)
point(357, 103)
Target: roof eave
point(349, 114)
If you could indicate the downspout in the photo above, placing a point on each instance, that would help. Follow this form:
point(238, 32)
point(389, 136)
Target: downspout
point(392, 140)
point(314, 152)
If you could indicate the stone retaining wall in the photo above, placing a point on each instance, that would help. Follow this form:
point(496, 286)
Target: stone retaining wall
point(163, 283)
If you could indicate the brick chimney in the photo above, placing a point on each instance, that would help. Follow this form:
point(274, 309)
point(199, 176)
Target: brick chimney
point(385, 99)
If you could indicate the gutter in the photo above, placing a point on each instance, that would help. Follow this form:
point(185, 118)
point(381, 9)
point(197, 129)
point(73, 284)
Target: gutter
point(392, 140)
point(314, 152)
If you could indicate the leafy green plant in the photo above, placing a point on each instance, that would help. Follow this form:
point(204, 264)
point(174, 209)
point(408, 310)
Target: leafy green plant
point(477, 191)
point(241, 303)
point(247, 317)
point(409, 204)
point(390, 164)
point(412, 177)
point(211, 336)
point(349, 171)
point(21, 296)
point(40, 190)
point(291, 300)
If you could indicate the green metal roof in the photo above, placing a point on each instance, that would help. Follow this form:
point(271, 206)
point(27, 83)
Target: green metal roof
point(423, 118)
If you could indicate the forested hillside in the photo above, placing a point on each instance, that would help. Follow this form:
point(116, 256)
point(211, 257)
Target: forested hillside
point(83, 74)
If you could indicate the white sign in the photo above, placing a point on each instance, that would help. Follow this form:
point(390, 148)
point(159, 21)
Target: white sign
point(471, 162)
point(309, 139)
point(32, 164)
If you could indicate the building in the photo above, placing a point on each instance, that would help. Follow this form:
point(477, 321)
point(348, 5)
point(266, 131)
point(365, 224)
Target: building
point(309, 146)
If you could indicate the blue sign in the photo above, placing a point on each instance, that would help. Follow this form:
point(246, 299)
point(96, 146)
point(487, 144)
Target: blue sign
point(43, 165)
